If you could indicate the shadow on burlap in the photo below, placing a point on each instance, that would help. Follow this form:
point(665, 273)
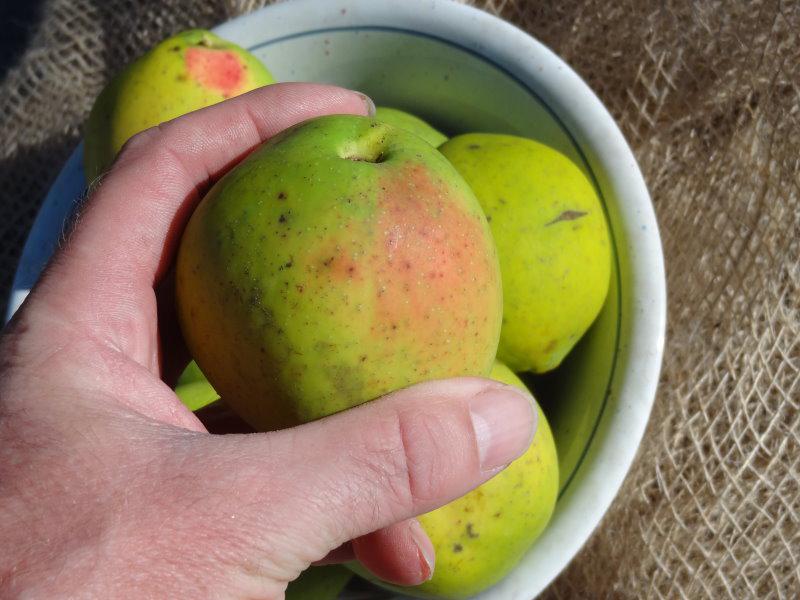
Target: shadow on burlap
point(708, 94)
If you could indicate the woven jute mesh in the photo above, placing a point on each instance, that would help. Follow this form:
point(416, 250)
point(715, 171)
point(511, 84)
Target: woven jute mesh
point(708, 94)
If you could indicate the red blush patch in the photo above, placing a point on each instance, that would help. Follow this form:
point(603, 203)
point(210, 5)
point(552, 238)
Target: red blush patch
point(219, 70)
point(433, 261)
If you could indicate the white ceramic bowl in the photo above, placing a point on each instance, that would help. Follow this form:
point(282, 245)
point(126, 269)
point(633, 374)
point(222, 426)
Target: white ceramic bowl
point(465, 70)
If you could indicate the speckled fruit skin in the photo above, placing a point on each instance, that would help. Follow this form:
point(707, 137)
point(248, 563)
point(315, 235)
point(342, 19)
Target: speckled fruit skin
point(412, 123)
point(343, 259)
point(482, 536)
point(552, 238)
point(185, 72)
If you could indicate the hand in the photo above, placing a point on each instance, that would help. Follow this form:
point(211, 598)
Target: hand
point(109, 485)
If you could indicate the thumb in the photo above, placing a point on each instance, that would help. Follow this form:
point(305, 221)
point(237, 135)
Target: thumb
point(316, 486)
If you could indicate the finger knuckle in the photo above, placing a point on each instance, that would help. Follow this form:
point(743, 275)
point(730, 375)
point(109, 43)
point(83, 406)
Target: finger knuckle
point(140, 142)
point(153, 146)
point(427, 446)
point(415, 455)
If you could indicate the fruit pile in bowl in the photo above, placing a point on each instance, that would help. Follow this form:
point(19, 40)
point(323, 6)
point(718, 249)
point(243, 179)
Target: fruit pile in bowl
point(489, 220)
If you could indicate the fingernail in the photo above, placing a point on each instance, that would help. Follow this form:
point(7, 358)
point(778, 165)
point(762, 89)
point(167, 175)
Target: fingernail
point(504, 422)
point(368, 103)
point(427, 555)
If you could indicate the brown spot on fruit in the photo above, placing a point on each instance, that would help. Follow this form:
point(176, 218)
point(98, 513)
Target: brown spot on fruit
point(567, 215)
point(471, 532)
point(338, 261)
point(457, 548)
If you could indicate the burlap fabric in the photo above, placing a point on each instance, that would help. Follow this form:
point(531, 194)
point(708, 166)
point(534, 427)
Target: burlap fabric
point(708, 94)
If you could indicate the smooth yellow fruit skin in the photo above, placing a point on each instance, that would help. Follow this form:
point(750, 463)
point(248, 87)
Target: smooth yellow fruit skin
point(552, 238)
point(412, 123)
point(482, 536)
point(185, 72)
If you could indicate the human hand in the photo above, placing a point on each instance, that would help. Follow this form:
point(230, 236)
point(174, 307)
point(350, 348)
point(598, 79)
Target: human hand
point(109, 484)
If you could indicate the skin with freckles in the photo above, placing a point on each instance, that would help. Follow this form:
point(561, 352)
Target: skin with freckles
point(185, 72)
point(343, 259)
point(552, 238)
point(482, 536)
